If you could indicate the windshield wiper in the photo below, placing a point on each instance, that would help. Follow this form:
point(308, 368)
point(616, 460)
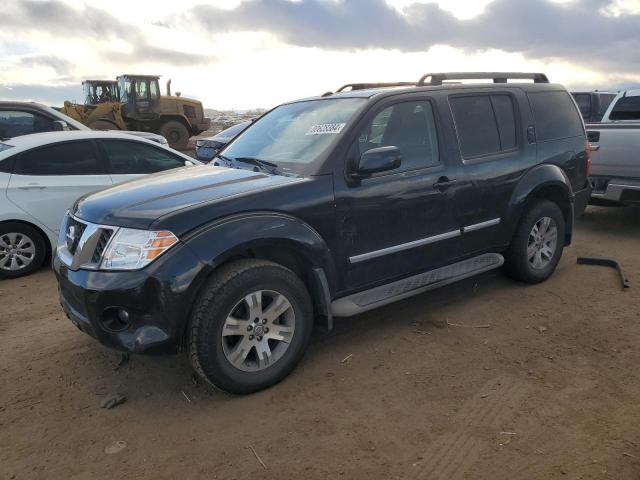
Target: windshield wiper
point(257, 162)
point(261, 164)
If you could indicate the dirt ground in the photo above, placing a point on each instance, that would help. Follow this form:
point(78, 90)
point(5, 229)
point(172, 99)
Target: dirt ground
point(549, 390)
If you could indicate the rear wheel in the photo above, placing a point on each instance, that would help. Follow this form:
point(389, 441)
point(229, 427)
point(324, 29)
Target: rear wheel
point(22, 250)
point(537, 246)
point(176, 134)
point(250, 326)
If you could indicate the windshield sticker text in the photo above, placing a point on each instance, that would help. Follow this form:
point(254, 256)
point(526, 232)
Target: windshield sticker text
point(326, 129)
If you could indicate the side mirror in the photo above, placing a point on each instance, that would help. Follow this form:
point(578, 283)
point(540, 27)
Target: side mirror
point(377, 160)
point(60, 126)
point(189, 163)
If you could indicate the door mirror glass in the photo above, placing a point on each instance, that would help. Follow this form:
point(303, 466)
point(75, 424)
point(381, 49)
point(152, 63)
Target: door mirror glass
point(60, 126)
point(379, 159)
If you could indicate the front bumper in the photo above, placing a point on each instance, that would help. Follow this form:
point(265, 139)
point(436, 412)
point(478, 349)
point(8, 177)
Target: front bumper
point(157, 299)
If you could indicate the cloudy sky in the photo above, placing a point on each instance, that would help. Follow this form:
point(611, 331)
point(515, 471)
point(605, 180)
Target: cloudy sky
point(257, 53)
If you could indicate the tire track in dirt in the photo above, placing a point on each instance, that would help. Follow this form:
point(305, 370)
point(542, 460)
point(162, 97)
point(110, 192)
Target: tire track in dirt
point(472, 430)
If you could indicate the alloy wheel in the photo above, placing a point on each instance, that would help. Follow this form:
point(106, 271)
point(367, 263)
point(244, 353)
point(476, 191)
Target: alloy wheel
point(542, 241)
point(258, 330)
point(17, 251)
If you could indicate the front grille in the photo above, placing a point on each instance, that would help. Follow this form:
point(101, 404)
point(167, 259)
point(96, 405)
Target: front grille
point(75, 229)
point(105, 236)
point(189, 111)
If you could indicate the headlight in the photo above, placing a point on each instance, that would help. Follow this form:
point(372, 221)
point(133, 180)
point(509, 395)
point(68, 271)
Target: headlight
point(131, 249)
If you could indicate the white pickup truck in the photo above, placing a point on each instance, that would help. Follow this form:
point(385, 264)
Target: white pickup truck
point(615, 152)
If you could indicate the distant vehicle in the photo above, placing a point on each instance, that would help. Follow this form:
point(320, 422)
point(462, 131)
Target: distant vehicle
point(338, 204)
point(134, 102)
point(22, 118)
point(42, 174)
point(593, 105)
point(615, 143)
point(207, 148)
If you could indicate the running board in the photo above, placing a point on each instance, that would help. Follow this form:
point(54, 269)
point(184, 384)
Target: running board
point(407, 287)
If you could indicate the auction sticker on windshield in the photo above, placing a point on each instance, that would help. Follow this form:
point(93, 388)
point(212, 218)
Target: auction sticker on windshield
point(326, 129)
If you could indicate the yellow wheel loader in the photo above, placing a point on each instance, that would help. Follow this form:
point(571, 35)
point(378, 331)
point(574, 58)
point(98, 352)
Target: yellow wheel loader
point(133, 102)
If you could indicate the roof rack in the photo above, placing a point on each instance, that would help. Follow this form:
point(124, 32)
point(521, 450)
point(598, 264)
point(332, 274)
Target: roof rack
point(498, 77)
point(365, 86)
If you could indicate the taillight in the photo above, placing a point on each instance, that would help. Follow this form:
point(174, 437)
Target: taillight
point(588, 158)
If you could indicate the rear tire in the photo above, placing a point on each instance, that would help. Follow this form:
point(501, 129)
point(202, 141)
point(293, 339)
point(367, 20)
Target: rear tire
point(536, 247)
point(250, 326)
point(22, 250)
point(176, 134)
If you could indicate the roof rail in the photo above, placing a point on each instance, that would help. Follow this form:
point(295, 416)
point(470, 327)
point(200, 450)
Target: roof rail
point(498, 77)
point(364, 86)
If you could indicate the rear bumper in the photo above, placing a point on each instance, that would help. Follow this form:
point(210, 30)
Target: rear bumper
point(157, 300)
point(617, 191)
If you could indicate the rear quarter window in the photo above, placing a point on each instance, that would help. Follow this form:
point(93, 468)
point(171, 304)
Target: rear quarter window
point(555, 115)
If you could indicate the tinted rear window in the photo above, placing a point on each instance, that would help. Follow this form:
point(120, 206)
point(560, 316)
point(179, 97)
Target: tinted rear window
point(485, 124)
point(555, 115)
point(626, 108)
point(71, 158)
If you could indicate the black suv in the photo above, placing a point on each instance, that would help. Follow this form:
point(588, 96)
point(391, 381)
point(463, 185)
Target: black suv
point(336, 205)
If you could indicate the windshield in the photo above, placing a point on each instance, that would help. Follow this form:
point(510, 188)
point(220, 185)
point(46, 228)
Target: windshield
point(295, 134)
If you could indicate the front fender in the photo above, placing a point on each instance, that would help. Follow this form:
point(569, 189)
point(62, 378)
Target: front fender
point(226, 238)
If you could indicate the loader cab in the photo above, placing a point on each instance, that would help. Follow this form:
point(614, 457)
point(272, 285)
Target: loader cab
point(100, 91)
point(140, 96)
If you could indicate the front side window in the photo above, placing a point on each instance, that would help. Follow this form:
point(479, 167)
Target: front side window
point(138, 158)
point(153, 88)
point(626, 108)
point(410, 126)
point(555, 115)
point(296, 134)
point(14, 123)
point(485, 124)
point(69, 158)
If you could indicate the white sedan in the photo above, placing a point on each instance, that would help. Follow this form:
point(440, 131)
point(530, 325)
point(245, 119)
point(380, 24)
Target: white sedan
point(42, 174)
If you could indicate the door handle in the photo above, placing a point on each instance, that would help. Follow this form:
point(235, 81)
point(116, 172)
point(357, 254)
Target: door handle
point(594, 148)
point(443, 183)
point(32, 186)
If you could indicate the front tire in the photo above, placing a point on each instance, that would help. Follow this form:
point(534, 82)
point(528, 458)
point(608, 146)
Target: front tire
point(22, 250)
point(250, 326)
point(538, 243)
point(176, 134)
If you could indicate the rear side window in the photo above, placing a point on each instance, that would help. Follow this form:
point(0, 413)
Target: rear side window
point(138, 158)
point(14, 123)
point(626, 108)
point(69, 158)
point(555, 115)
point(485, 124)
point(410, 126)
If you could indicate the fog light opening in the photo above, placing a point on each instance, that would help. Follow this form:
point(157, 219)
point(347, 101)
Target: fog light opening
point(115, 319)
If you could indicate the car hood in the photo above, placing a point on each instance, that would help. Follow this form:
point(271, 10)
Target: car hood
point(137, 204)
